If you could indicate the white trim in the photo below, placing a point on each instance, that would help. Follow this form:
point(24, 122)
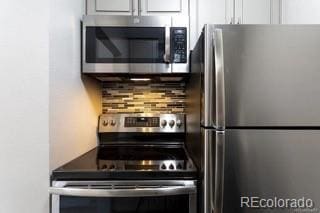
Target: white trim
point(280, 12)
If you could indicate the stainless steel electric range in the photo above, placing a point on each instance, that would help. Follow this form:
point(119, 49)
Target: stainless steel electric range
point(140, 165)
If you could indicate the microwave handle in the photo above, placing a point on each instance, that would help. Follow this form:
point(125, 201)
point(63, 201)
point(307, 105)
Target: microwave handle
point(130, 192)
point(166, 56)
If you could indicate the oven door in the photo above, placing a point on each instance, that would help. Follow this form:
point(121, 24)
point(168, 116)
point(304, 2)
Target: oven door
point(123, 197)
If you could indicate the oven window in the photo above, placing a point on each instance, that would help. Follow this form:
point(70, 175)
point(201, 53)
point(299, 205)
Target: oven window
point(167, 204)
point(125, 44)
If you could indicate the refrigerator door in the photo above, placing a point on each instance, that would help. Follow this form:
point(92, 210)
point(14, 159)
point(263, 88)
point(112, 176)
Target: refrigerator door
point(271, 165)
point(211, 195)
point(206, 83)
point(270, 75)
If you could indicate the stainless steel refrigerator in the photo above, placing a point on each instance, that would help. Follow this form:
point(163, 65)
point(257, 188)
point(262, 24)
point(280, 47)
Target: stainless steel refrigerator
point(254, 116)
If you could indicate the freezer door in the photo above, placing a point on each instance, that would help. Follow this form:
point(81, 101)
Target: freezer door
point(271, 165)
point(212, 171)
point(271, 75)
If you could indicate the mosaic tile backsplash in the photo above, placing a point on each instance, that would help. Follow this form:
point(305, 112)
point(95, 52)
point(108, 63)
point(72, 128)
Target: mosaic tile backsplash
point(143, 97)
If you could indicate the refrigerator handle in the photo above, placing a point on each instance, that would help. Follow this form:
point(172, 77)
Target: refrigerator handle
point(219, 79)
point(209, 175)
point(217, 175)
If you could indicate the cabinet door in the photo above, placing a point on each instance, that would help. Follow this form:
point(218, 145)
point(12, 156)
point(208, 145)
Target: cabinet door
point(111, 7)
point(164, 7)
point(253, 11)
point(300, 12)
point(229, 11)
point(206, 12)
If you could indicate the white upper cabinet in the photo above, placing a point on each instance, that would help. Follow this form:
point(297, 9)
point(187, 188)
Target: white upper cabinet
point(210, 12)
point(164, 7)
point(112, 7)
point(253, 11)
point(300, 12)
point(205, 12)
point(138, 7)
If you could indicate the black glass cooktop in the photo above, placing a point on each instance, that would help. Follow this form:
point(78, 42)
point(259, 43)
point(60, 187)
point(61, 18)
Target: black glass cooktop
point(91, 161)
point(140, 153)
point(129, 162)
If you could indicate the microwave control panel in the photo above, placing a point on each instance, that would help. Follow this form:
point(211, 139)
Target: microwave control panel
point(178, 44)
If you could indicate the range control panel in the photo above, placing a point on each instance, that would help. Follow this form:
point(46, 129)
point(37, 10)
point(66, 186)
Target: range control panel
point(142, 123)
point(178, 44)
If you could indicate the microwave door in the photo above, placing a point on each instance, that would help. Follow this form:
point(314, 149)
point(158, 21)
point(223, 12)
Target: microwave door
point(150, 53)
point(107, 43)
point(126, 49)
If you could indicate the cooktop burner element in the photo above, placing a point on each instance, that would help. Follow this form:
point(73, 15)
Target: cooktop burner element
point(150, 158)
point(131, 158)
point(127, 152)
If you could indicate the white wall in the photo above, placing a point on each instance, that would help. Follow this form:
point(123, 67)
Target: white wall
point(75, 102)
point(300, 12)
point(24, 85)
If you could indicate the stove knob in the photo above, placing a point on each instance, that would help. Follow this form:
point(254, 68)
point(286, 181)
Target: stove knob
point(113, 122)
point(163, 167)
point(105, 123)
point(112, 166)
point(163, 123)
point(171, 167)
point(104, 167)
point(179, 123)
point(171, 123)
point(179, 166)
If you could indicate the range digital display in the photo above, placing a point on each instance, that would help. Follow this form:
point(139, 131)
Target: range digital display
point(142, 122)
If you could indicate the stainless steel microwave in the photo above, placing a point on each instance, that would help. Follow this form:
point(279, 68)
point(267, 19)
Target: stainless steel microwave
point(135, 44)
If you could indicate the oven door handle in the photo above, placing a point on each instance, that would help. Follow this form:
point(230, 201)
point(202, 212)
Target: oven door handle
point(132, 192)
